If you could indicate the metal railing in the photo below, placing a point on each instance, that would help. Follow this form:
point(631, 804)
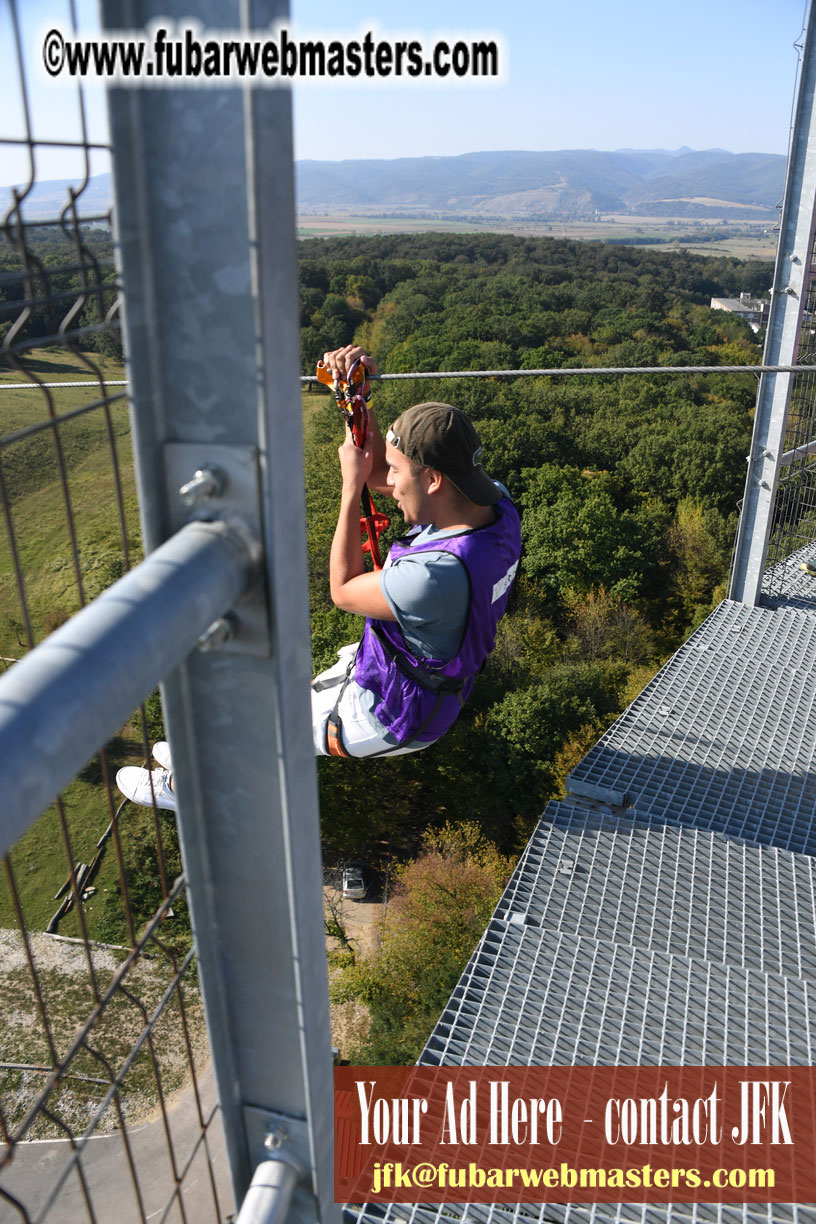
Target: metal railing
point(103, 1020)
point(794, 519)
point(105, 1055)
point(779, 508)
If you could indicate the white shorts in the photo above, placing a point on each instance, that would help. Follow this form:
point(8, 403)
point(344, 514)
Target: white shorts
point(360, 737)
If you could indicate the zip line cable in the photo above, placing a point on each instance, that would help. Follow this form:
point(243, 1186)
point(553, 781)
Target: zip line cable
point(592, 370)
point(556, 372)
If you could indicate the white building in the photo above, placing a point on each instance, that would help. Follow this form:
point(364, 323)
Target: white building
point(752, 310)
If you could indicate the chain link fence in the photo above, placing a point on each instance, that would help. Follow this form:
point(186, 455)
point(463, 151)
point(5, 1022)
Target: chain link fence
point(104, 1053)
point(794, 519)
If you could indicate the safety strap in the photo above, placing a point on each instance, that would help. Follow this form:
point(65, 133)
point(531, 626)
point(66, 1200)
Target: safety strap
point(320, 686)
point(443, 685)
point(425, 722)
point(334, 724)
point(334, 742)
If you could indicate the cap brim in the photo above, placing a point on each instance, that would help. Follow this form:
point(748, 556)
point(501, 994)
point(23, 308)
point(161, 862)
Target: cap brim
point(478, 487)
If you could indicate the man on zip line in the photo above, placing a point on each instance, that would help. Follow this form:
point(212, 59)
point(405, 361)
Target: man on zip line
point(430, 613)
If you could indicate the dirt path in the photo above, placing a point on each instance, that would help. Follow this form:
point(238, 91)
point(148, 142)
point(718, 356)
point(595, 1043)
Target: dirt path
point(349, 1021)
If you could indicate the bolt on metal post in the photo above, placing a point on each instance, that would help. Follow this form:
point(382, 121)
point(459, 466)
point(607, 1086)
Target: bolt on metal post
point(221, 630)
point(207, 483)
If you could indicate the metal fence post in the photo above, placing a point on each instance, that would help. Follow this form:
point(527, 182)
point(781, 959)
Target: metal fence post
point(790, 285)
point(205, 226)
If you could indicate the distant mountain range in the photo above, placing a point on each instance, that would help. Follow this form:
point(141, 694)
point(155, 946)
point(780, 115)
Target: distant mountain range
point(46, 200)
point(570, 184)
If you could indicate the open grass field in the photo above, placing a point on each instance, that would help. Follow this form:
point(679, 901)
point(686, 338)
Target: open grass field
point(55, 584)
point(40, 508)
point(745, 240)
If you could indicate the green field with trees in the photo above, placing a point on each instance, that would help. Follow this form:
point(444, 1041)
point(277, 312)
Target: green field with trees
point(628, 487)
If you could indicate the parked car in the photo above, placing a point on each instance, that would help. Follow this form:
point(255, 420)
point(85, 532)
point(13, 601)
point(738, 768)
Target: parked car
point(354, 882)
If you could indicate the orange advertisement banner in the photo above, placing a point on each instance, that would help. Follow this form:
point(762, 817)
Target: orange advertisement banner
point(575, 1134)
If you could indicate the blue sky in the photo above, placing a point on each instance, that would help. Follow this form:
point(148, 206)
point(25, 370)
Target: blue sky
point(637, 74)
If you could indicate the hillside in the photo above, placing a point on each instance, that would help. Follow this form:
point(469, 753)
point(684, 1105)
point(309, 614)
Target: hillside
point(568, 184)
point(565, 184)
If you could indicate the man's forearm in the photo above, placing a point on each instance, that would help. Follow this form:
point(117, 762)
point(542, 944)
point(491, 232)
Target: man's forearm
point(379, 469)
point(346, 560)
point(352, 588)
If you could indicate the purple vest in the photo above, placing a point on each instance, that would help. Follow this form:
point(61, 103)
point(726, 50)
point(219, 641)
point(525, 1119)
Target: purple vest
point(420, 698)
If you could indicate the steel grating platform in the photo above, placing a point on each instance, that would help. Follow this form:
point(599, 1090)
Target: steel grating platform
point(532, 995)
point(786, 585)
point(547, 997)
point(689, 892)
point(596, 1213)
point(722, 737)
point(665, 911)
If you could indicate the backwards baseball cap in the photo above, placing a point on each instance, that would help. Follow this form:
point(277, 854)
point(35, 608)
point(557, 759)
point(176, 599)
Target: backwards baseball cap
point(440, 436)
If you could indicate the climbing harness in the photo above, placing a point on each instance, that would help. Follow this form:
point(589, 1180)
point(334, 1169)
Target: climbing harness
point(333, 731)
point(352, 396)
point(333, 741)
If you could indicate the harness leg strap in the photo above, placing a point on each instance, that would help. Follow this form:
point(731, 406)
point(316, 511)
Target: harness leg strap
point(334, 736)
point(334, 724)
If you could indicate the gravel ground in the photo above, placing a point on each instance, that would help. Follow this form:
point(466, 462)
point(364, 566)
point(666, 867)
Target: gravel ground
point(50, 953)
point(62, 969)
point(63, 975)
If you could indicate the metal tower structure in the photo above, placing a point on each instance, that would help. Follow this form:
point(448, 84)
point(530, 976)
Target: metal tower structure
point(779, 506)
point(212, 344)
point(211, 329)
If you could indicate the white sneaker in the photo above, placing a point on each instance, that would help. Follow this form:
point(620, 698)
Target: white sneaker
point(161, 751)
point(146, 786)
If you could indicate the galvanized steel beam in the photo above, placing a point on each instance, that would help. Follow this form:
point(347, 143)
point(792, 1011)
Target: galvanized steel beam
point(204, 205)
point(789, 290)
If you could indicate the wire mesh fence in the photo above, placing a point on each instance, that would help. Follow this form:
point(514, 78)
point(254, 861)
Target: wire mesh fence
point(794, 519)
point(103, 1054)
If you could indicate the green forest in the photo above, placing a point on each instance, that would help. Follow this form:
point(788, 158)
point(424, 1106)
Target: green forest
point(69, 277)
point(629, 489)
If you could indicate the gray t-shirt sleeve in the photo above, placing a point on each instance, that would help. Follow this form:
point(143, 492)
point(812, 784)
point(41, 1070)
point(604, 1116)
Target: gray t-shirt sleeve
point(430, 596)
